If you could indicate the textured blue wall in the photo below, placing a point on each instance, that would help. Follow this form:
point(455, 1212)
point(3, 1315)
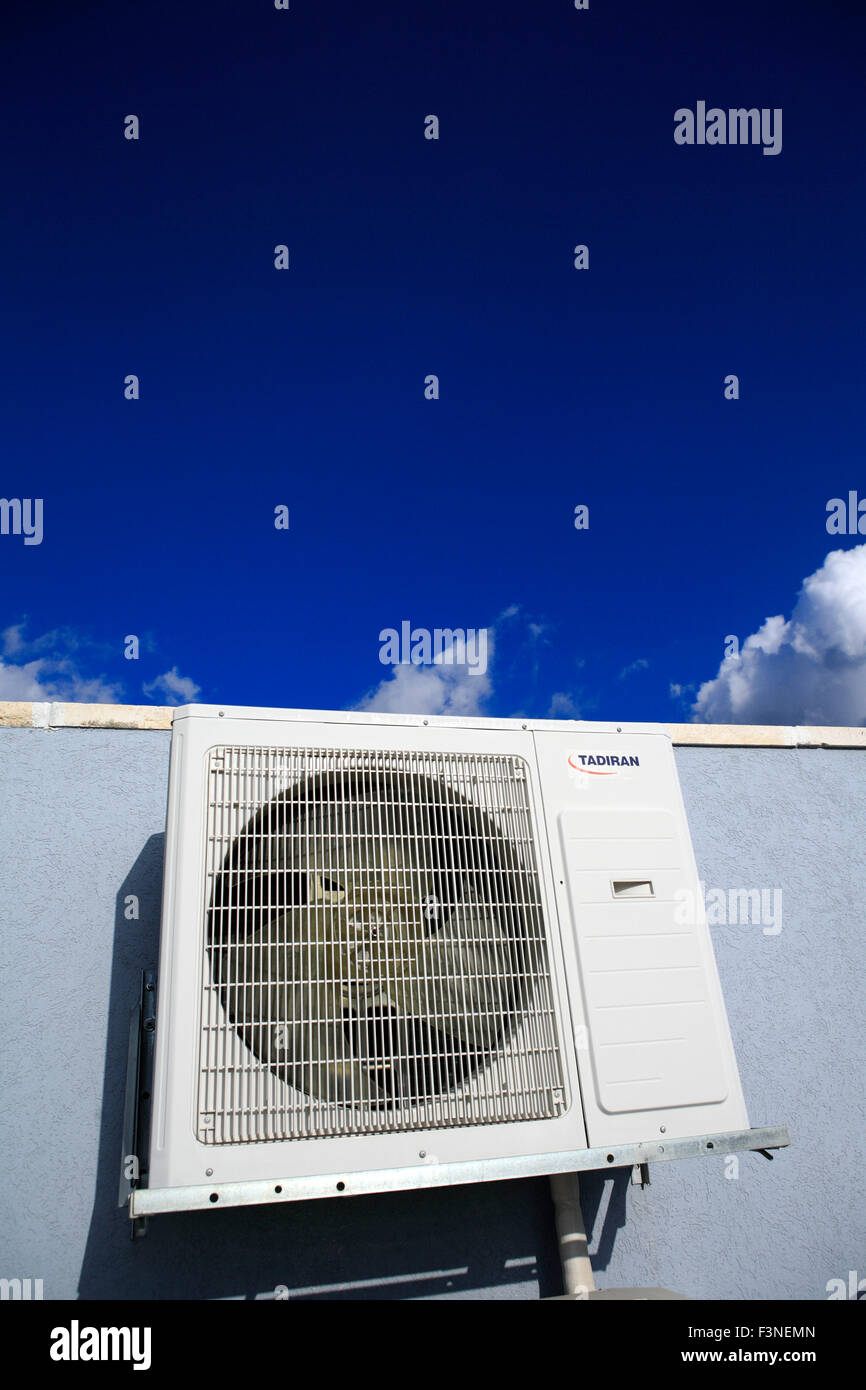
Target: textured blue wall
point(81, 820)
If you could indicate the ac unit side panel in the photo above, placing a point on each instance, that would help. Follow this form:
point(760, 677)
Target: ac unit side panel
point(223, 1101)
point(177, 984)
point(659, 1057)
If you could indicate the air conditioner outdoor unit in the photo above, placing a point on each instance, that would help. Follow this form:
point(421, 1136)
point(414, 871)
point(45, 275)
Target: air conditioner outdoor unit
point(400, 952)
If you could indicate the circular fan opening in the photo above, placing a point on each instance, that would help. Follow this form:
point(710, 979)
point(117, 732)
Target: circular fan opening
point(368, 933)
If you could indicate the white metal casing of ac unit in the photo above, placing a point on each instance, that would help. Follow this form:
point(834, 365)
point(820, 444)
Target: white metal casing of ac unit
point(633, 1008)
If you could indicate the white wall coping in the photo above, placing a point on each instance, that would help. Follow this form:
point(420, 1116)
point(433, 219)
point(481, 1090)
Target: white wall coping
point(60, 715)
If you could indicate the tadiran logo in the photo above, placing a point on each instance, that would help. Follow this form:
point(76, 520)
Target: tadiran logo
point(600, 764)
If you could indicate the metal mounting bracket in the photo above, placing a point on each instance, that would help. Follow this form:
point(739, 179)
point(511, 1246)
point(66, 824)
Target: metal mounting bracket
point(144, 1201)
point(136, 1109)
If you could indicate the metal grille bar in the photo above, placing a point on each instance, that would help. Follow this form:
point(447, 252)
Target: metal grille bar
point(376, 953)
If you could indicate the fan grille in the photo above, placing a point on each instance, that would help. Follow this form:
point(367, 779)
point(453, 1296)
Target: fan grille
point(377, 958)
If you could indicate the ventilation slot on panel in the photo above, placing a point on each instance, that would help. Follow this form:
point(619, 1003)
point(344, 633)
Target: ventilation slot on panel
point(377, 956)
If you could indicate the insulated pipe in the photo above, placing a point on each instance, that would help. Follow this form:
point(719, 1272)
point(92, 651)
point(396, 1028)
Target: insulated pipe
point(577, 1277)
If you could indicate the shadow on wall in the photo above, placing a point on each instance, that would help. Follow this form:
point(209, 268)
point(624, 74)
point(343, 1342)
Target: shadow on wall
point(495, 1239)
point(135, 947)
point(603, 1222)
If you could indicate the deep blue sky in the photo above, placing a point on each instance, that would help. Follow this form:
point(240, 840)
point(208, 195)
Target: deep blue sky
point(411, 257)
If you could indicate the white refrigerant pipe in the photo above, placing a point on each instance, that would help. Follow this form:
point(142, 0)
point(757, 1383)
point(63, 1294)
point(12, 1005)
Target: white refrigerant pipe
point(577, 1276)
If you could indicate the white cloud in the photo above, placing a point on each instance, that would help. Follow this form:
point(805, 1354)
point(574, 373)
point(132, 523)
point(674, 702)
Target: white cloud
point(43, 668)
point(48, 667)
point(810, 669)
point(13, 640)
point(58, 642)
point(562, 706)
point(177, 689)
point(54, 678)
point(447, 686)
point(639, 665)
